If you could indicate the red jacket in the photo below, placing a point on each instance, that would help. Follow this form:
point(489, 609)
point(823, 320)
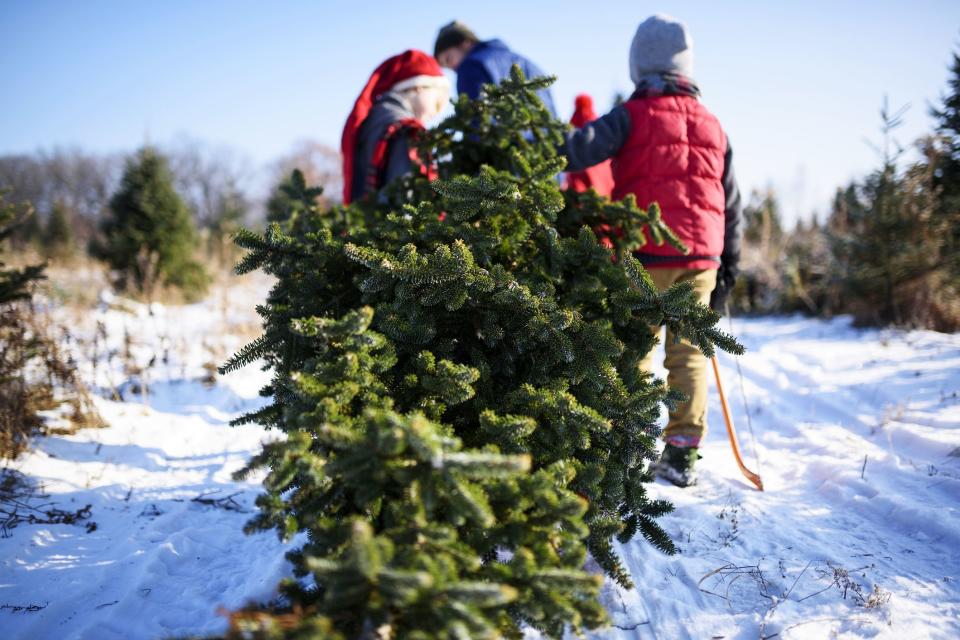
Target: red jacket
point(674, 155)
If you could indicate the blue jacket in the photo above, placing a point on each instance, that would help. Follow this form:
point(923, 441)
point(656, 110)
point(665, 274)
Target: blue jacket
point(490, 62)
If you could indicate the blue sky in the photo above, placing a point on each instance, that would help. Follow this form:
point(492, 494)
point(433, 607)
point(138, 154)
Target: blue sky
point(797, 86)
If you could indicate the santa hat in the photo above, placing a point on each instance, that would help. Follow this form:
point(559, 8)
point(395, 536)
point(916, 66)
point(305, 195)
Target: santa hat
point(583, 112)
point(410, 69)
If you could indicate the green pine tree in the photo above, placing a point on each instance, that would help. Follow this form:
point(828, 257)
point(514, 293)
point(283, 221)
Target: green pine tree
point(21, 398)
point(35, 374)
point(15, 283)
point(58, 235)
point(149, 237)
point(947, 165)
point(763, 225)
point(761, 269)
point(455, 367)
point(291, 197)
point(889, 239)
point(231, 210)
point(27, 234)
point(810, 274)
point(947, 117)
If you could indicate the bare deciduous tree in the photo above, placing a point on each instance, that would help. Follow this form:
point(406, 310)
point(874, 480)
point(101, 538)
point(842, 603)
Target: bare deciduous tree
point(320, 165)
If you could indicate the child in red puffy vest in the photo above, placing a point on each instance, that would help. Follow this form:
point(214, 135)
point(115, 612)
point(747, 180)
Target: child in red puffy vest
point(666, 147)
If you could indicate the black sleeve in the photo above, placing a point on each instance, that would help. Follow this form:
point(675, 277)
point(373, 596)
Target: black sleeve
point(733, 216)
point(598, 140)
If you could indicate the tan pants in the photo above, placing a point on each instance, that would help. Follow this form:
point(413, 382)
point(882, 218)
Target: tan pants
point(686, 365)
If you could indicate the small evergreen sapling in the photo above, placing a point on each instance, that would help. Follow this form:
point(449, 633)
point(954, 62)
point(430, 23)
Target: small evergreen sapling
point(35, 374)
point(290, 197)
point(15, 282)
point(947, 167)
point(58, 235)
point(892, 237)
point(149, 237)
point(455, 367)
point(19, 399)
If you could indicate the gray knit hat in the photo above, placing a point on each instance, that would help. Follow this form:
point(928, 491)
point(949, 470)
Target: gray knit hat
point(662, 44)
point(453, 35)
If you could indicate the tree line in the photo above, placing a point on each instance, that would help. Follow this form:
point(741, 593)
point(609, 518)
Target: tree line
point(887, 252)
point(157, 217)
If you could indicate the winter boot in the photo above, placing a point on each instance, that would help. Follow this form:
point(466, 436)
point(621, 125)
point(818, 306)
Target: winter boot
point(676, 465)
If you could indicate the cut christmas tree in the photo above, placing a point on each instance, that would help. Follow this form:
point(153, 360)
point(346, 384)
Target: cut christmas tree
point(455, 370)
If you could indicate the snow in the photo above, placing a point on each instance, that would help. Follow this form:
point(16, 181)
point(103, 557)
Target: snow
point(858, 436)
point(159, 563)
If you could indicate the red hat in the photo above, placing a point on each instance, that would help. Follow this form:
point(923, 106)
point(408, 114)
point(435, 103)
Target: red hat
point(392, 71)
point(583, 112)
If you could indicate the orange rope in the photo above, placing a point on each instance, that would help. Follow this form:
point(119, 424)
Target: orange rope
point(750, 475)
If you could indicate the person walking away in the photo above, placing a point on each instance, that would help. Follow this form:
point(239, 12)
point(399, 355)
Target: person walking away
point(668, 148)
point(402, 94)
point(479, 62)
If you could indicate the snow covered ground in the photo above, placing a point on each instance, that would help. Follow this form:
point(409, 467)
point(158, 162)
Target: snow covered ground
point(856, 536)
point(858, 532)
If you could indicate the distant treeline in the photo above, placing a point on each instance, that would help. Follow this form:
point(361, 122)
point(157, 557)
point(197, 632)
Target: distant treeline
point(888, 252)
point(70, 189)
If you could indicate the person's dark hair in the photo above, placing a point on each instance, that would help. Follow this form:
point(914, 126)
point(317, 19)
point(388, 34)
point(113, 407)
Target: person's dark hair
point(453, 35)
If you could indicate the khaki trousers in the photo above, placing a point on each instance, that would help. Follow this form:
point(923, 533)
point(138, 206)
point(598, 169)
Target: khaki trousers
point(686, 365)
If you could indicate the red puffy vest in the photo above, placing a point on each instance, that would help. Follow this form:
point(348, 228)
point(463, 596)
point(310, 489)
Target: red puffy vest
point(675, 156)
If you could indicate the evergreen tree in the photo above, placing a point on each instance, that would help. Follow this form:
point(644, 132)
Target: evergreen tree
point(231, 210)
point(35, 374)
point(290, 197)
point(20, 400)
point(762, 221)
point(810, 281)
point(27, 233)
point(58, 236)
point(847, 207)
point(947, 165)
point(15, 283)
point(889, 240)
point(947, 116)
point(455, 367)
point(761, 270)
point(149, 237)
point(875, 231)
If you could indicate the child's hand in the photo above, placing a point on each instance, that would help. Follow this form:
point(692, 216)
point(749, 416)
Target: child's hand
point(726, 279)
